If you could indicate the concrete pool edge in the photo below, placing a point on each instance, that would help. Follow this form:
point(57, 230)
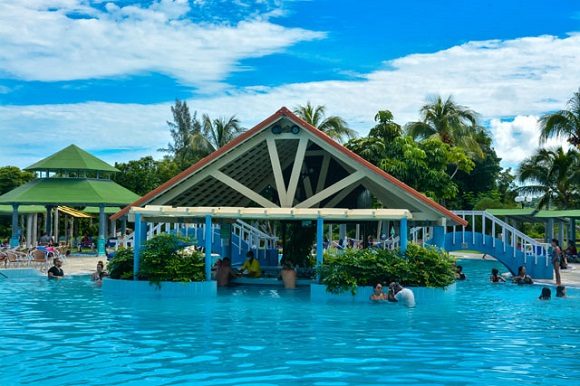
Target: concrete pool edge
point(163, 290)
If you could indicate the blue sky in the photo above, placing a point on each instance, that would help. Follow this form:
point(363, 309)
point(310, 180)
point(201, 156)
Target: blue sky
point(103, 74)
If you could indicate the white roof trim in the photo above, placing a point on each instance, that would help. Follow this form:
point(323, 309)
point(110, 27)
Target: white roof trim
point(160, 211)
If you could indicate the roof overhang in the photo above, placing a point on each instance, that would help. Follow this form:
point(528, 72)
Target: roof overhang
point(163, 213)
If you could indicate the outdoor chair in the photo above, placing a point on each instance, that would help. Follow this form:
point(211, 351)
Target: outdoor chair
point(39, 257)
point(16, 258)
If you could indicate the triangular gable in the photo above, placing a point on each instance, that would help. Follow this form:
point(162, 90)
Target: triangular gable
point(304, 166)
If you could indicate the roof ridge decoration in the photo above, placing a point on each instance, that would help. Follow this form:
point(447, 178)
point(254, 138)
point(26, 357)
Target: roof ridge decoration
point(72, 157)
point(360, 166)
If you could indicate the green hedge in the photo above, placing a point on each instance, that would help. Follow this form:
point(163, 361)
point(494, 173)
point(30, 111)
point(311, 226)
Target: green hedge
point(419, 267)
point(162, 259)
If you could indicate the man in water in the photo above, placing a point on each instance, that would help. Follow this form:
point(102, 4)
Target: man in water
point(397, 293)
point(56, 272)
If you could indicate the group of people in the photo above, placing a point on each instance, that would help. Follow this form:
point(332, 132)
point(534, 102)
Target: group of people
point(395, 294)
point(224, 271)
point(547, 293)
point(56, 271)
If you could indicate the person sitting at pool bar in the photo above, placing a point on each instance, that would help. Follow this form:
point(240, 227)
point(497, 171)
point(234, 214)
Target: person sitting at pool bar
point(546, 294)
point(224, 272)
point(56, 272)
point(378, 293)
point(495, 277)
point(251, 266)
point(522, 277)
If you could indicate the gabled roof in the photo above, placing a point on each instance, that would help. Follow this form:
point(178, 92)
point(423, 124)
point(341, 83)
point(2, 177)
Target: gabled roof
point(329, 143)
point(69, 191)
point(72, 158)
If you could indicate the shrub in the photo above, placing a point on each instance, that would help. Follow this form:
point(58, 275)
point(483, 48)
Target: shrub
point(121, 266)
point(164, 259)
point(425, 267)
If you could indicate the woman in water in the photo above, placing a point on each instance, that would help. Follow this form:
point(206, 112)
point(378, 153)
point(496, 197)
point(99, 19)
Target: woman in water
point(495, 277)
point(522, 277)
point(378, 293)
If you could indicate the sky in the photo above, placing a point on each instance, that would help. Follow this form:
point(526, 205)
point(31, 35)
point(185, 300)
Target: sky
point(104, 74)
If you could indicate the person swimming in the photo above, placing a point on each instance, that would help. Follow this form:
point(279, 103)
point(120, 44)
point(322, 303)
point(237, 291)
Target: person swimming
point(399, 294)
point(546, 294)
point(495, 277)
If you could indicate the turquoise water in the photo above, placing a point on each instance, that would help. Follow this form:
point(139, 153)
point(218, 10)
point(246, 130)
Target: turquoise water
point(68, 333)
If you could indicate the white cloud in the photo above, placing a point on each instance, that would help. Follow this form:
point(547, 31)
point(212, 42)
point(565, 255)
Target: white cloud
point(46, 40)
point(518, 79)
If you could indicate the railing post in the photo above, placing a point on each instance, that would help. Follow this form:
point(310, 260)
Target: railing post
point(208, 242)
point(403, 235)
point(493, 232)
point(473, 227)
point(483, 227)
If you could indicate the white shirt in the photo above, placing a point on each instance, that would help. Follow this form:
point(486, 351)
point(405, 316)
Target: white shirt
point(406, 297)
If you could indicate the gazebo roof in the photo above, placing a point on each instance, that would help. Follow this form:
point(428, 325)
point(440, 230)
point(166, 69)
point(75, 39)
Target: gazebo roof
point(72, 158)
point(69, 191)
point(534, 215)
point(302, 166)
point(6, 210)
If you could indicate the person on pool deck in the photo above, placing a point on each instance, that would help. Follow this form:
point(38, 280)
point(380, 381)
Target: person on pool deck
point(224, 272)
point(378, 293)
point(556, 255)
point(399, 294)
point(546, 294)
point(495, 277)
point(522, 277)
point(56, 272)
point(459, 275)
point(251, 266)
point(560, 291)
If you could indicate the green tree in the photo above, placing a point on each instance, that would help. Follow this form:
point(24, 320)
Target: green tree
point(552, 174)
point(334, 126)
point(451, 123)
point(12, 177)
point(220, 131)
point(188, 145)
point(421, 165)
point(565, 123)
point(145, 174)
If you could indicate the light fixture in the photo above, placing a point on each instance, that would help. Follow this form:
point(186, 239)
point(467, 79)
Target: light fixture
point(276, 129)
point(295, 129)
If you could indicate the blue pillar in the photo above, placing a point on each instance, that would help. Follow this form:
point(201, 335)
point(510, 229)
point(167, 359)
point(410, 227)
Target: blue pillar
point(138, 239)
point(439, 237)
point(403, 235)
point(550, 230)
point(15, 238)
point(48, 219)
point(102, 224)
point(208, 247)
point(572, 230)
point(319, 243)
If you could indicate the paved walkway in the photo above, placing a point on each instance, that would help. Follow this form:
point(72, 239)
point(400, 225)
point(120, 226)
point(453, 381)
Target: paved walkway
point(570, 276)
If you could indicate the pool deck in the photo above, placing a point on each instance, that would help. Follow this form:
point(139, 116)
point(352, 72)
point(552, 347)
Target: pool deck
point(570, 276)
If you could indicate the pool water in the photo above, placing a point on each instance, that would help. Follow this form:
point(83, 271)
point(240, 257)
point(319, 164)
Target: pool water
point(69, 333)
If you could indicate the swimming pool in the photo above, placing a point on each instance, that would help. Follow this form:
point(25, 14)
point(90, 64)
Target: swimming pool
point(68, 332)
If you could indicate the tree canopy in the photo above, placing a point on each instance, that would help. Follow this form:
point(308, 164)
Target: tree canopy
point(334, 126)
point(564, 123)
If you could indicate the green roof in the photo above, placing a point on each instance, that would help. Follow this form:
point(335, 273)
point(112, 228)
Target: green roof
point(72, 158)
point(511, 212)
point(534, 214)
point(71, 192)
point(96, 210)
point(22, 209)
point(558, 213)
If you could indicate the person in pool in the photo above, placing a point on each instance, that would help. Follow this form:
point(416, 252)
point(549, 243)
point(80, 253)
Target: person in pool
point(399, 294)
point(522, 277)
point(251, 266)
point(56, 272)
point(378, 293)
point(495, 277)
point(100, 273)
point(546, 294)
point(459, 275)
point(560, 291)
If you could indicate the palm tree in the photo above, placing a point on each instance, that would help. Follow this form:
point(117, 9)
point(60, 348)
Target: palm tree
point(220, 131)
point(453, 124)
point(334, 126)
point(554, 175)
point(563, 123)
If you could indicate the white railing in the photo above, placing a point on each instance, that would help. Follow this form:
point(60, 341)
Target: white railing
point(252, 236)
point(508, 235)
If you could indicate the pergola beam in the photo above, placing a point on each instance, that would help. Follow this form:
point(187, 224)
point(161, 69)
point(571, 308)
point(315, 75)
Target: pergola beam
point(296, 168)
point(277, 170)
point(332, 189)
point(244, 190)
